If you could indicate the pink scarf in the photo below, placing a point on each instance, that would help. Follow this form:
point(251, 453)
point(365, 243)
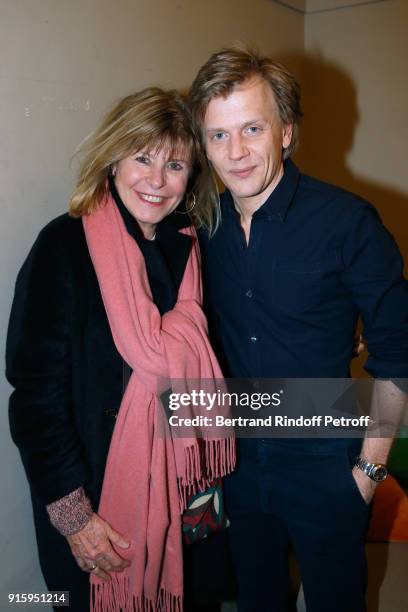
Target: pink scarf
point(148, 475)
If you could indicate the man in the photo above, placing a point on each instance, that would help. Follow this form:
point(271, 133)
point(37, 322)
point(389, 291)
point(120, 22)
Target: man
point(292, 265)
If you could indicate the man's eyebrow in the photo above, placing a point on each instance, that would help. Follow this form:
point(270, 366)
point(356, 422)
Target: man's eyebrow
point(252, 121)
point(214, 129)
point(243, 125)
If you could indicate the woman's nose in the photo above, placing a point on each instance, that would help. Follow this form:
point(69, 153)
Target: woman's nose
point(157, 177)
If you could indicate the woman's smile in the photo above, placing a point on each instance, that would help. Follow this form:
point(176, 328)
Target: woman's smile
point(152, 199)
point(151, 185)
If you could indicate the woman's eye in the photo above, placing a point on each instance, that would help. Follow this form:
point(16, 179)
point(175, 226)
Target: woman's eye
point(142, 159)
point(218, 136)
point(175, 166)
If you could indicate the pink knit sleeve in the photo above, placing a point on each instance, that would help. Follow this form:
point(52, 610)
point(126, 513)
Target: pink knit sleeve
point(70, 513)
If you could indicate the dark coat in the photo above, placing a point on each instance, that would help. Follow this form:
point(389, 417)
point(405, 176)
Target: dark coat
point(69, 378)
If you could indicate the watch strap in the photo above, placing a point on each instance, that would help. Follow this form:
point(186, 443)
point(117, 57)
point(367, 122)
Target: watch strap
point(371, 469)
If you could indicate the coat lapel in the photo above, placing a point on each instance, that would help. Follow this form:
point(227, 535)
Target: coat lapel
point(176, 246)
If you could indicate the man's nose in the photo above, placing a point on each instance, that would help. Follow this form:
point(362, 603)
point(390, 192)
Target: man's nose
point(157, 177)
point(237, 147)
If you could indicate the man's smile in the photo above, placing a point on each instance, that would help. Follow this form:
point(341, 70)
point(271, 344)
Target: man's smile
point(243, 172)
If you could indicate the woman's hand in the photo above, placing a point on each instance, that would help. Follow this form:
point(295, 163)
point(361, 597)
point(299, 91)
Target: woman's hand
point(92, 546)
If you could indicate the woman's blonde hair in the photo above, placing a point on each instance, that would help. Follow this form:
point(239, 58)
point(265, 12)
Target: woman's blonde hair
point(145, 121)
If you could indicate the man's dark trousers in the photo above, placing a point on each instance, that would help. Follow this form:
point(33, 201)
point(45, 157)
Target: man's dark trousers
point(303, 493)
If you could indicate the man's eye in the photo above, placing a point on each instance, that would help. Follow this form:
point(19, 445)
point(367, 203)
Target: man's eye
point(253, 129)
point(218, 136)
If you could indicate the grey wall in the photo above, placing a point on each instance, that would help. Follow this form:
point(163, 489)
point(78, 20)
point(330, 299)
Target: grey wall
point(356, 93)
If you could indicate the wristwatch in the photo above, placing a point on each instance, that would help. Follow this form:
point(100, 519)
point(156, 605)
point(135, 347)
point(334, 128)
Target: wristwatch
point(376, 471)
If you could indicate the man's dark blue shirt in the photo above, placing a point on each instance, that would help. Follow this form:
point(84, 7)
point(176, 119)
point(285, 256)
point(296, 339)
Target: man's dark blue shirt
point(287, 304)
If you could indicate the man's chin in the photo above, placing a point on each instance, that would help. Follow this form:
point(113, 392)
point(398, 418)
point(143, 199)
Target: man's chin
point(243, 193)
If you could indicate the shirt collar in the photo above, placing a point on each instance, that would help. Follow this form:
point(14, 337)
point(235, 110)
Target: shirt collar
point(278, 203)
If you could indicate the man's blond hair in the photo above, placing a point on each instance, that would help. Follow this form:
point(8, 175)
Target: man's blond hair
point(233, 66)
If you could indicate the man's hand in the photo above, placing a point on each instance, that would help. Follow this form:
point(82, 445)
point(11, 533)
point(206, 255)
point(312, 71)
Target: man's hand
point(359, 345)
point(92, 546)
point(365, 485)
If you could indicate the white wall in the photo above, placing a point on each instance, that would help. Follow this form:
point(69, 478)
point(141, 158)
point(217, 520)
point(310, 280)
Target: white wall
point(62, 65)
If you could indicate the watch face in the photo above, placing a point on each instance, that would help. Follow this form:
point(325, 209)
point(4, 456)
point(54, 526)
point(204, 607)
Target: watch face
point(380, 473)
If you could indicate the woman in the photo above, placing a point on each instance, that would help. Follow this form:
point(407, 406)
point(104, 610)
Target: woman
point(107, 305)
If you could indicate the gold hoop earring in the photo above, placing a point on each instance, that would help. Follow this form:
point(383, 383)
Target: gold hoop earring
point(185, 212)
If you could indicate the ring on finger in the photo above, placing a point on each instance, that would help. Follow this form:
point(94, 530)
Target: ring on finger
point(93, 567)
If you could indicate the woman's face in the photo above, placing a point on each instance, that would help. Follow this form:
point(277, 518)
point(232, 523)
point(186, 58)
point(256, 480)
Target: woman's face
point(151, 184)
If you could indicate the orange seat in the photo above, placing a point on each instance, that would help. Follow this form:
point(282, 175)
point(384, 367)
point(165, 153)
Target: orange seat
point(389, 521)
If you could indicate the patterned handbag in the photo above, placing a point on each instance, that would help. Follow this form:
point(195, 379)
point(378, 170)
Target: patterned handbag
point(204, 514)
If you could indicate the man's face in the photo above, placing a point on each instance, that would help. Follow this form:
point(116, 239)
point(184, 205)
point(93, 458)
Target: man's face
point(244, 139)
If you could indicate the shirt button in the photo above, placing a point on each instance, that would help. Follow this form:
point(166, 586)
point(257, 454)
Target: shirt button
point(253, 339)
point(249, 293)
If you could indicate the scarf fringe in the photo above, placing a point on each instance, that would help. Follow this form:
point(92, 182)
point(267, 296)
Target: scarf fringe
point(115, 596)
point(218, 457)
